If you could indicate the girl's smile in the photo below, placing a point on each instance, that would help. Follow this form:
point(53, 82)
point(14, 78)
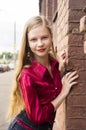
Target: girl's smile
point(41, 50)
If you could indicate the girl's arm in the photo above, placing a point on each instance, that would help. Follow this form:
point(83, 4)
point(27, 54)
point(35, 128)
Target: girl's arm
point(67, 81)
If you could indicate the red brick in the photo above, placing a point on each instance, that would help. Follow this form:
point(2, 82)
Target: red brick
point(85, 47)
point(54, 6)
point(43, 7)
point(84, 63)
point(49, 9)
point(76, 39)
point(76, 124)
point(75, 14)
point(76, 112)
point(79, 89)
point(76, 100)
point(77, 4)
point(76, 64)
point(74, 27)
point(82, 75)
point(84, 36)
point(73, 38)
point(76, 52)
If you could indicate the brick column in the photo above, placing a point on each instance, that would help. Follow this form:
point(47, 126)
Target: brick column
point(70, 35)
point(70, 39)
point(76, 101)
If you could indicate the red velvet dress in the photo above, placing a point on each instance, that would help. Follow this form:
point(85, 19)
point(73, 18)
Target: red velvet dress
point(38, 89)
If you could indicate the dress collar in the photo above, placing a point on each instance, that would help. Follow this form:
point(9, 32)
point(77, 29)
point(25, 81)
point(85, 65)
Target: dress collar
point(40, 69)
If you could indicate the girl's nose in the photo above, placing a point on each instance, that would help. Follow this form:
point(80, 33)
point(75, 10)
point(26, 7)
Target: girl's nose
point(40, 43)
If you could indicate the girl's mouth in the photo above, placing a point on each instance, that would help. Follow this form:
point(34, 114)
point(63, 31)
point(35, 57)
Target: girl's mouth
point(41, 50)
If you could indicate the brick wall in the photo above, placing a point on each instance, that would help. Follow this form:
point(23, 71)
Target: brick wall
point(42, 7)
point(76, 101)
point(65, 17)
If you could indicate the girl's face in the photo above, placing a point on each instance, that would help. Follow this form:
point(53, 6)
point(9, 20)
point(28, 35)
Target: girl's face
point(40, 41)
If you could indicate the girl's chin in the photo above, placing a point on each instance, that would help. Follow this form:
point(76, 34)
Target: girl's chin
point(42, 55)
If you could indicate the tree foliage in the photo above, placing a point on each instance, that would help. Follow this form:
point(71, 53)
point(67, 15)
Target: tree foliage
point(7, 55)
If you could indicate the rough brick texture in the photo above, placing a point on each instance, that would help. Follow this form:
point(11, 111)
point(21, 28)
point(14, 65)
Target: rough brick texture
point(42, 6)
point(65, 17)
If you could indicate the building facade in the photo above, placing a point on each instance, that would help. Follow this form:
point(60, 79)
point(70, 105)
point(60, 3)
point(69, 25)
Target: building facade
point(65, 16)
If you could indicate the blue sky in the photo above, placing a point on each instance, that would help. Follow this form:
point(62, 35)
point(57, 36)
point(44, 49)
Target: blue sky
point(11, 11)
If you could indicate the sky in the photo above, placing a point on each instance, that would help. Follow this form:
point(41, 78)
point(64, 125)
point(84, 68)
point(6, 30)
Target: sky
point(14, 12)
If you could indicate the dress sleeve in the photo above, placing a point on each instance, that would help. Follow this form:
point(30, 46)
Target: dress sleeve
point(37, 113)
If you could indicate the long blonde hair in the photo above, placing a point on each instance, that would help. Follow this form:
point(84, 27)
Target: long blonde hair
point(16, 103)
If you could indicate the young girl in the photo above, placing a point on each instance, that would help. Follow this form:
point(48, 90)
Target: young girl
point(38, 89)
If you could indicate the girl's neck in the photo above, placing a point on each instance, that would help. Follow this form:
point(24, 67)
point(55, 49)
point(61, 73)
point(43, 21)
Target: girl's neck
point(43, 60)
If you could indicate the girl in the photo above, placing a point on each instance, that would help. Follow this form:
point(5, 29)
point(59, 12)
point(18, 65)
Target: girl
point(38, 89)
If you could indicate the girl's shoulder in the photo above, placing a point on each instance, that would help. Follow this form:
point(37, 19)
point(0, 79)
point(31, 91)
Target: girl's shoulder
point(25, 71)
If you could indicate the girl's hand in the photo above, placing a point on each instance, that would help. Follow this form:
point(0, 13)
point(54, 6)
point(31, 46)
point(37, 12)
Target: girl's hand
point(68, 81)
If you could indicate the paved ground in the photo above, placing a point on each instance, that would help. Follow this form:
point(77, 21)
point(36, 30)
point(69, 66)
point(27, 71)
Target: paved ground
point(5, 89)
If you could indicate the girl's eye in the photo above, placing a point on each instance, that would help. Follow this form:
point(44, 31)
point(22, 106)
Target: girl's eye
point(45, 37)
point(33, 40)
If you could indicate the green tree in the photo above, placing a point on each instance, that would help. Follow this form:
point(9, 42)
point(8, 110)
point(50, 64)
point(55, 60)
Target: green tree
point(8, 55)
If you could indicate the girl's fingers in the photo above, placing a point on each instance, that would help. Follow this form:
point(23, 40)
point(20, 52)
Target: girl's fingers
point(71, 74)
point(73, 83)
point(73, 78)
